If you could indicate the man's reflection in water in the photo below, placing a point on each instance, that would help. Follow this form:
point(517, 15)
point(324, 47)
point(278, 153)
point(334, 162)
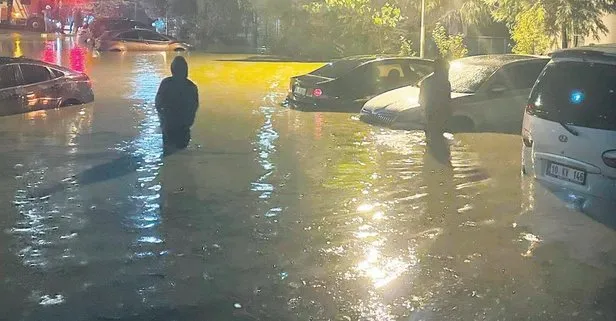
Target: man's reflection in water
point(439, 180)
point(182, 214)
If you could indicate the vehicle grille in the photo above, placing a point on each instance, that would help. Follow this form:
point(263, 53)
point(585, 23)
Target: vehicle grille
point(384, 118)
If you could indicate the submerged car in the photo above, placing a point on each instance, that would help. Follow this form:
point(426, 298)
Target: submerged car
point(102, 25)
point(350, 82)
point(138, 40)
point(488, 93)
point(569, 132)
point(28, 85)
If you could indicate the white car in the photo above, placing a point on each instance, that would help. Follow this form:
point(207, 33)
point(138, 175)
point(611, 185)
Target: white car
point(569, 129)
point(488, 93)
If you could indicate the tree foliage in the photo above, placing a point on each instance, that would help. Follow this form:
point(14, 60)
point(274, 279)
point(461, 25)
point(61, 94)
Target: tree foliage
point(581, 17)
point(449, 46)
point(530, 32)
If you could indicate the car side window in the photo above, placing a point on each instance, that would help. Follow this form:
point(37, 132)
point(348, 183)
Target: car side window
point(8, 77)
point(33, 74)
point(151, 36)
point(129, 35)
point(56, 73)
point(524, 76)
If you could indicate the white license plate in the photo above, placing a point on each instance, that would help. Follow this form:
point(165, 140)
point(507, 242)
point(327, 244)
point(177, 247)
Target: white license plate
point(566, 173)
point(300, 91)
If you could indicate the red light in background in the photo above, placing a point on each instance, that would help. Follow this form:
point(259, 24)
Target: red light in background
point(317, 92)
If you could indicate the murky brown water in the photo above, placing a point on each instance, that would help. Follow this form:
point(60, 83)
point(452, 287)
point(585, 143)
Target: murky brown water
point(273, 214)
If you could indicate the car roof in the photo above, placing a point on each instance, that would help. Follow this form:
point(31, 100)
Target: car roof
point(368, 58)
point(13, 60)
point(499, 60)
point(599, 51)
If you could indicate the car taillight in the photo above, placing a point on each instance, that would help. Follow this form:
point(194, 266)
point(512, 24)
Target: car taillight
point(317, 92)
point(609, 158)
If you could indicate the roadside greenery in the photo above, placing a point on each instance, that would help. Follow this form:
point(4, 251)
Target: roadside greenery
point(449, 46)
point(328, 28)
point(530, 33)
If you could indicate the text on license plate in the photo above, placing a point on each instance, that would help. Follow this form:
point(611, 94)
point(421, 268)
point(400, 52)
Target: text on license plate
point(300, 91)
point(566, 173)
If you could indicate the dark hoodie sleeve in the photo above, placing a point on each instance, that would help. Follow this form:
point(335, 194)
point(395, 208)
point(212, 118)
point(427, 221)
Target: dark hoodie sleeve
point(195, 104)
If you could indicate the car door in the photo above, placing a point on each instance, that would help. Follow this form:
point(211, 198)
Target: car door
point(11, 94)
point(360, 84)
point(504, 95)
point(154, 41)
point(131, 40)
point(40, 91)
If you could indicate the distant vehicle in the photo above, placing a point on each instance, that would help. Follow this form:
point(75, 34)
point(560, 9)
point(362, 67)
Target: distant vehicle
point(488, 93)
point(350, 82)
point(139, 40)
point(101, 25)
point(25, 14)
point(27, 85)
point(569, 131)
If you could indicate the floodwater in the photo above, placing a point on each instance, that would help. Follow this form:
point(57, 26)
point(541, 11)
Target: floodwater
point(273, 214)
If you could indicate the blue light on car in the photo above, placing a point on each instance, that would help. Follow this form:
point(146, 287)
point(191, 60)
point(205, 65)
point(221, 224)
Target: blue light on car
point(576, 97)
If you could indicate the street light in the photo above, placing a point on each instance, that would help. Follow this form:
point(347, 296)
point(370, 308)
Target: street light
point(422, 31)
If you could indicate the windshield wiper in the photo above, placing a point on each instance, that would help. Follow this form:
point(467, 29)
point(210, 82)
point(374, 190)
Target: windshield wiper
point(570, 129)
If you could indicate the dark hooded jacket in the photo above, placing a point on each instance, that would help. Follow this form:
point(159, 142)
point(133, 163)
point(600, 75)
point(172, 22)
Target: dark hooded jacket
point(435, 97)
point(177, 101)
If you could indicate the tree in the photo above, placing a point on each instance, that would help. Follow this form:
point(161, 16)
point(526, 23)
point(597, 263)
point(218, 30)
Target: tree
point(107, 8)
point(562, 17)
point(449, 46)
point(530, 32)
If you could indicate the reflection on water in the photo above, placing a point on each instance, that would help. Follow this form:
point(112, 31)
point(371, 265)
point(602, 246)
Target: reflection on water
point(273, 214)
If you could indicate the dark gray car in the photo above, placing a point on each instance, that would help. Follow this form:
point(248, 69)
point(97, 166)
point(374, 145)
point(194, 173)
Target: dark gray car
point(28, 85)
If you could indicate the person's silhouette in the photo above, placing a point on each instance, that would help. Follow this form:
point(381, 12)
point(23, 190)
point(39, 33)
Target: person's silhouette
point(435, 99)
point(177, 102)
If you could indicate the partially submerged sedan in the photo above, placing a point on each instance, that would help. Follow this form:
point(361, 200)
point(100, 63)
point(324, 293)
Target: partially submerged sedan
point(488, 93)
point(348, 83)
point(28, 85)
point(138, 40)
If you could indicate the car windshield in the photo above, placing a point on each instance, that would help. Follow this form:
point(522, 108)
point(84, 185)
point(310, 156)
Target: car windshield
point(337, 68)
point(577, 93)
point(467, 77)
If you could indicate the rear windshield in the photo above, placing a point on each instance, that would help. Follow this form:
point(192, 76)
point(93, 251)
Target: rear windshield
point(337, 68)
point(577, 93)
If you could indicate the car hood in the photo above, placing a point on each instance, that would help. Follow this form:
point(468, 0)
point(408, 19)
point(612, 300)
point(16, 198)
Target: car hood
point(400, 99)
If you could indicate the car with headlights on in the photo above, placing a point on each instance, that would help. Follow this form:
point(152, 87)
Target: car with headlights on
point(489, 93)
point(28, 85)
point(349, 82)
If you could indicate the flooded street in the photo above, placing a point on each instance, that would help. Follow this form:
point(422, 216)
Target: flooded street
point(271, 213)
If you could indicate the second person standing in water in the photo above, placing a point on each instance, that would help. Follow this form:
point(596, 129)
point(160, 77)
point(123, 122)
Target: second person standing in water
point(177, 101)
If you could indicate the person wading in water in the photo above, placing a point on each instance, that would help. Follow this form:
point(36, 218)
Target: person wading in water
point(177, 101)
point(435, 98)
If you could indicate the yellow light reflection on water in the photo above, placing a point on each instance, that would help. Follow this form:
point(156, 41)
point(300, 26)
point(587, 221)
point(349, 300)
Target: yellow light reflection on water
point(17, 52)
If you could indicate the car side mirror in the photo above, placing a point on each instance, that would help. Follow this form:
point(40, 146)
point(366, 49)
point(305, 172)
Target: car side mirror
point(498, 90)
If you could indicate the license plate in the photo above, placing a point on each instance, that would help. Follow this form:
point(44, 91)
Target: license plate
point(300, 91)
point(566, 173)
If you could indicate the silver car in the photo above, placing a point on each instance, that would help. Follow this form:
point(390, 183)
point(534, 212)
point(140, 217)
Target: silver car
point(488, 93)
point(138, 40)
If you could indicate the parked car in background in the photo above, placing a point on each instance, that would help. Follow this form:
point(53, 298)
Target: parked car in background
point(350, 82)
point(569, 132)
point(101, 25)
point(27, 85)
point(488, 93)
point(138, 40)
